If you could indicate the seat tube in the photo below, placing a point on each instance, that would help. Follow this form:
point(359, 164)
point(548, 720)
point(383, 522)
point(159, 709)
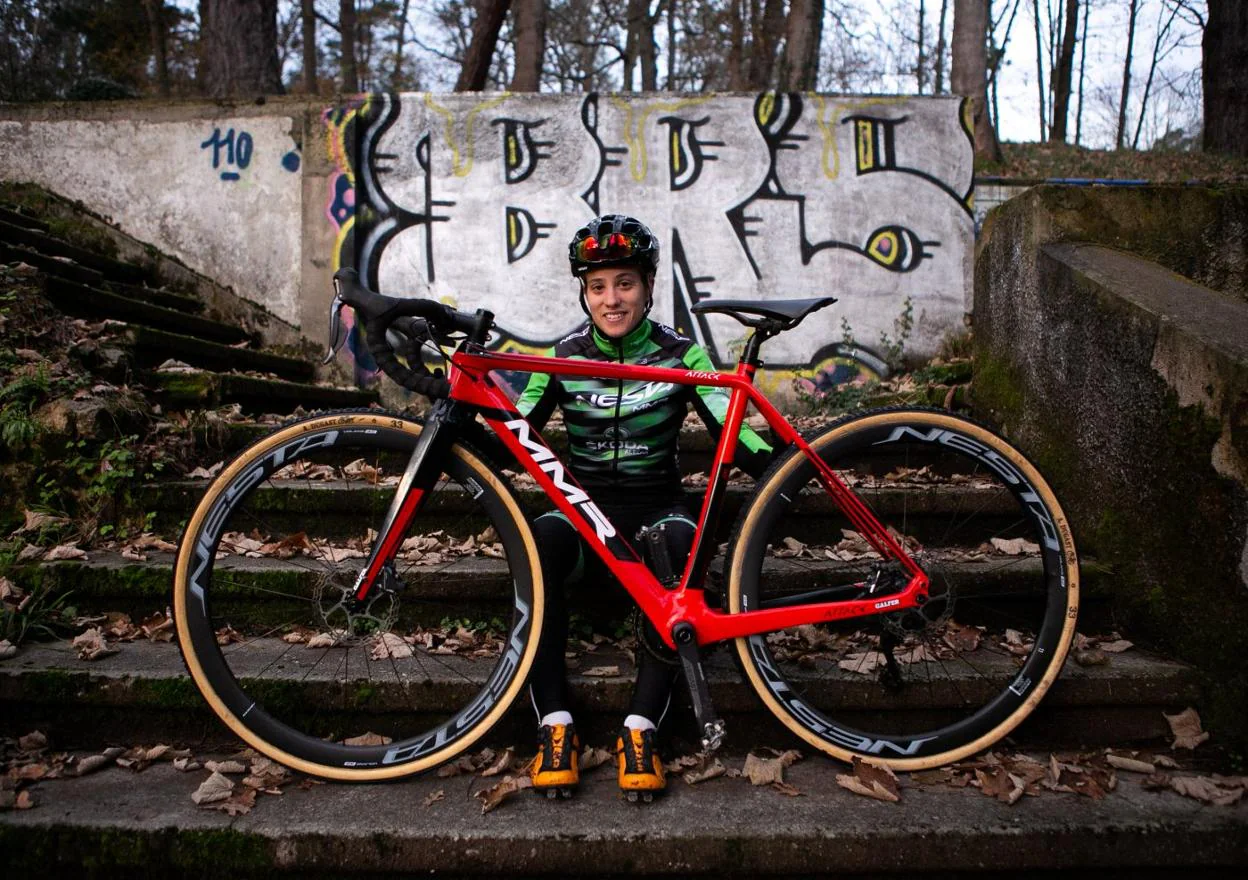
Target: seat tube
point(708, 521)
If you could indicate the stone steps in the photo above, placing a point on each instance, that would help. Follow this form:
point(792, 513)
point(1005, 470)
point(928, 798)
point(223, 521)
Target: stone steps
point(45, 243)
point(82, 300)
point(144, 689)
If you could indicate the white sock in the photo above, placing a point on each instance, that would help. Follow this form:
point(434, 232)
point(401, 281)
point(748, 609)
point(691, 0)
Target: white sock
point(638, 722)
point(556, 718)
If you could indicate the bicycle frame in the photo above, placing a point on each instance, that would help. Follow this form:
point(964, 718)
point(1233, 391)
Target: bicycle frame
point(472, 385)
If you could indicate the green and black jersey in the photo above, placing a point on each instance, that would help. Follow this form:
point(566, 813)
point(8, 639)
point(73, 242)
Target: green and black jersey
point(623, 434)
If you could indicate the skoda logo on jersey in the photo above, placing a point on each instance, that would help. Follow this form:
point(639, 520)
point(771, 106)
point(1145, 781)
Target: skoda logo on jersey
point(615, 437)
point(632, 398)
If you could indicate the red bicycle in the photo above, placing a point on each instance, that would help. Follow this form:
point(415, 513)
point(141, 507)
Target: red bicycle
point(903, 586)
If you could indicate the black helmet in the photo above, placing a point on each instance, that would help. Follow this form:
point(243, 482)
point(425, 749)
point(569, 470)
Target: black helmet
point(613, 240)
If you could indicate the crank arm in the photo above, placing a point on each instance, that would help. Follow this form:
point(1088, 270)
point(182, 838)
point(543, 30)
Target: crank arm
point(710, 724)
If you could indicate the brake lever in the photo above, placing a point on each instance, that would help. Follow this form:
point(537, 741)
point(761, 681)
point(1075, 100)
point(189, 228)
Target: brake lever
point(337, 335)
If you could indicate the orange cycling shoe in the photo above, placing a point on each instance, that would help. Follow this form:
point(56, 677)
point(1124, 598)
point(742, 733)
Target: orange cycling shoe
point(641, 770)
point(557, 767)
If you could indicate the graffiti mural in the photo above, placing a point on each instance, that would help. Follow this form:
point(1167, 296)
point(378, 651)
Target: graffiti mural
point(471, 199)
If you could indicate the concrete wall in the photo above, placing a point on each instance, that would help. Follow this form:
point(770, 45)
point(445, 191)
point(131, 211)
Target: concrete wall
point(217, 186)
point(1128, 384)
point(472, 199)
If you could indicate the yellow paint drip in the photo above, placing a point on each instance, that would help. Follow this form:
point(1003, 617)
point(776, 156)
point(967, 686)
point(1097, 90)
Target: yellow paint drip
point(461, 166)
point(635, 126)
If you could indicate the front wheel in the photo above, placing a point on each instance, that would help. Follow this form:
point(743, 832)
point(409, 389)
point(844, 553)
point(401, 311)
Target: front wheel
point(262, 589)
point(933, 684)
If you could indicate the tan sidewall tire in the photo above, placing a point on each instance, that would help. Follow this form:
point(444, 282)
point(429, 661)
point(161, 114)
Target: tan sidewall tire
point(245, 459)
point(748, 532)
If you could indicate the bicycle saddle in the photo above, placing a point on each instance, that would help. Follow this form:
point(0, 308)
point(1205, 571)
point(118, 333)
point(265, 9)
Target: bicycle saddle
point(787, 312)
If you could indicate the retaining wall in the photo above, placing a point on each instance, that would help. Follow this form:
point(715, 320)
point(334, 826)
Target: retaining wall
point(472, 198)
point(1128, 384)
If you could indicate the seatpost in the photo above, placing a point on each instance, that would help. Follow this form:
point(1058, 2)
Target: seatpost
point(764, 329)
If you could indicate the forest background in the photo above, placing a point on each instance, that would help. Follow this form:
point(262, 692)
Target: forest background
point(1106, 74)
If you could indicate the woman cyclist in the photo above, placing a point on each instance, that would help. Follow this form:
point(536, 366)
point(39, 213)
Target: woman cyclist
point(622, 437)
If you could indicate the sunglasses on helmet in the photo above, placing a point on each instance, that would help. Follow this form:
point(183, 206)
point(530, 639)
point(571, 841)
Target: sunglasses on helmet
point(616, 246)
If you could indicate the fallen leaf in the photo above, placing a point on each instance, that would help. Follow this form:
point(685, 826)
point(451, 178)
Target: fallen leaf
point(237, 804)
point(601, 671)
point(91, 645)
point(367, 739)
point(325, 639)
point(32, 742)
point(1015, 546)
point(186, 765)
point(213, 789)
point(24, 801)
point(871, 781)
point(36, 521)
point(1205, 790)
point(92, 763)
point(1186, 729)
point(863, 663)
point(226, 766)
point(706, 770)
point(1093, 657)
point(500, 764)
point(433, 798)
point(389, 645)
point(1117, 646)
point(7, 649)
point(1130, 764)
point(594, 757)
point(764, 771)
point(786, 789)
point(493, 796)
point(64, 551)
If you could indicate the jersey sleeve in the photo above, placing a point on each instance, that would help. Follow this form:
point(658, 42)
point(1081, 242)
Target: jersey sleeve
point(537, 401)
point(711, 405)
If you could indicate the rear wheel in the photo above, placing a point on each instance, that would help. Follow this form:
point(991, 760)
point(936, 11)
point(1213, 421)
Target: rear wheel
point(270, 558)
point(933, 684)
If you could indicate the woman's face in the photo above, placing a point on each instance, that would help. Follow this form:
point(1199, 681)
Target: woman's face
point(617, 300)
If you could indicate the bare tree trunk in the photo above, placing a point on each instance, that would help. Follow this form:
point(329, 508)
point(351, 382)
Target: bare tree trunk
point(1065, 69)
point(156, 27)
point(310, 84)
point(1225, 77)
point(766, 37)
point(737, 80)
point(672, 13)
point(919, 67)
point(476, 69)
point(799, 65)
point(400, 40)
point(650, 51)
point(530, 19)
point(346, 27)
point(969, 74)
point(1083, 62)
point(1163, 31)
point(1044, 117)
point(940, 50)
point(240, 48)
point(1126, 78)
point(635, 16)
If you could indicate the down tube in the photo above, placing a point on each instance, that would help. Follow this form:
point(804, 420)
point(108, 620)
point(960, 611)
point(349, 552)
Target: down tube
point(569, 497)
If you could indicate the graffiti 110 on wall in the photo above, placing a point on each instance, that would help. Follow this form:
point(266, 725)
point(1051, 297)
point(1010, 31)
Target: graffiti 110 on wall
point(471, 199)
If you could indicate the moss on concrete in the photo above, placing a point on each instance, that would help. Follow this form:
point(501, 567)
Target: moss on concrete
point(1065, 366)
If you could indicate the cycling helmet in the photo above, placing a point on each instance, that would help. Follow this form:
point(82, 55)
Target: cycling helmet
point(613, 240)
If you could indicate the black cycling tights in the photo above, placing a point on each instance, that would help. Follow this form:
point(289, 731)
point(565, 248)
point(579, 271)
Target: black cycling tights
point(561, 551)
